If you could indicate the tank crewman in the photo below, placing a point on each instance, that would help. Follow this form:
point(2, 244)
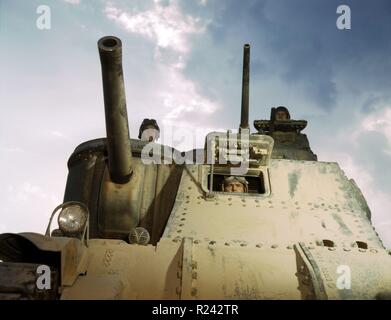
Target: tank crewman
point(149, 130)
point(279, 114)
point(235, 184)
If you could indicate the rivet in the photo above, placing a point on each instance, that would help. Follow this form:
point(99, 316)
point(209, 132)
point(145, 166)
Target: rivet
point(259, 245)
point(243, 244)
point(373, 250)
point(346, 249)
point(275, 246)
point(331, 249)
point(212, 242)
point(227, 244)
point(362, 250)
point(196, 241)
point(289, 247)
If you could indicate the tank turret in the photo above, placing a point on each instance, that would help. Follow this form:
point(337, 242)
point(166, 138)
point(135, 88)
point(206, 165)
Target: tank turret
point(289, 141)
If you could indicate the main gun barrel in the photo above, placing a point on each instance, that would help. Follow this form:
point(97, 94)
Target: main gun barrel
point(245, 88)
point(117, 127)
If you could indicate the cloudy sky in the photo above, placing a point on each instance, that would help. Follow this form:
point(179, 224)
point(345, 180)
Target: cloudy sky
point(182, 65)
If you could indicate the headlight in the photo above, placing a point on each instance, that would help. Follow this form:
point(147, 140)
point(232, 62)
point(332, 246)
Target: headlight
point(72, 219)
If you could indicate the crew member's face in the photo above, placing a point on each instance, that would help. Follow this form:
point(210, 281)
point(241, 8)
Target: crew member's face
point(234, 186)
point(150, 134)
point(281, 115)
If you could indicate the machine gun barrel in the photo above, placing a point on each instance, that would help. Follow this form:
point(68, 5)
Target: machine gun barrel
point(117, 127)
point(245, 87)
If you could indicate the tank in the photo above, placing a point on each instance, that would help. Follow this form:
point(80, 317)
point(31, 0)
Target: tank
point(257, 216)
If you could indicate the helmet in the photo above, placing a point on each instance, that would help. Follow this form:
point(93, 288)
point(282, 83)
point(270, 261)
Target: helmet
point(229, 179)
point(275, 110)
point(148, 123)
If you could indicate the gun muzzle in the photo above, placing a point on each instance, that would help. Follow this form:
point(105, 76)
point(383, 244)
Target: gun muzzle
point(117, 127)
point(245, 88)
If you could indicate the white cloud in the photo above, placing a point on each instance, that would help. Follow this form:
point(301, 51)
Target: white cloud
point(180, 95)
point(26, 192)
point(167, 26)
point(379, 122)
